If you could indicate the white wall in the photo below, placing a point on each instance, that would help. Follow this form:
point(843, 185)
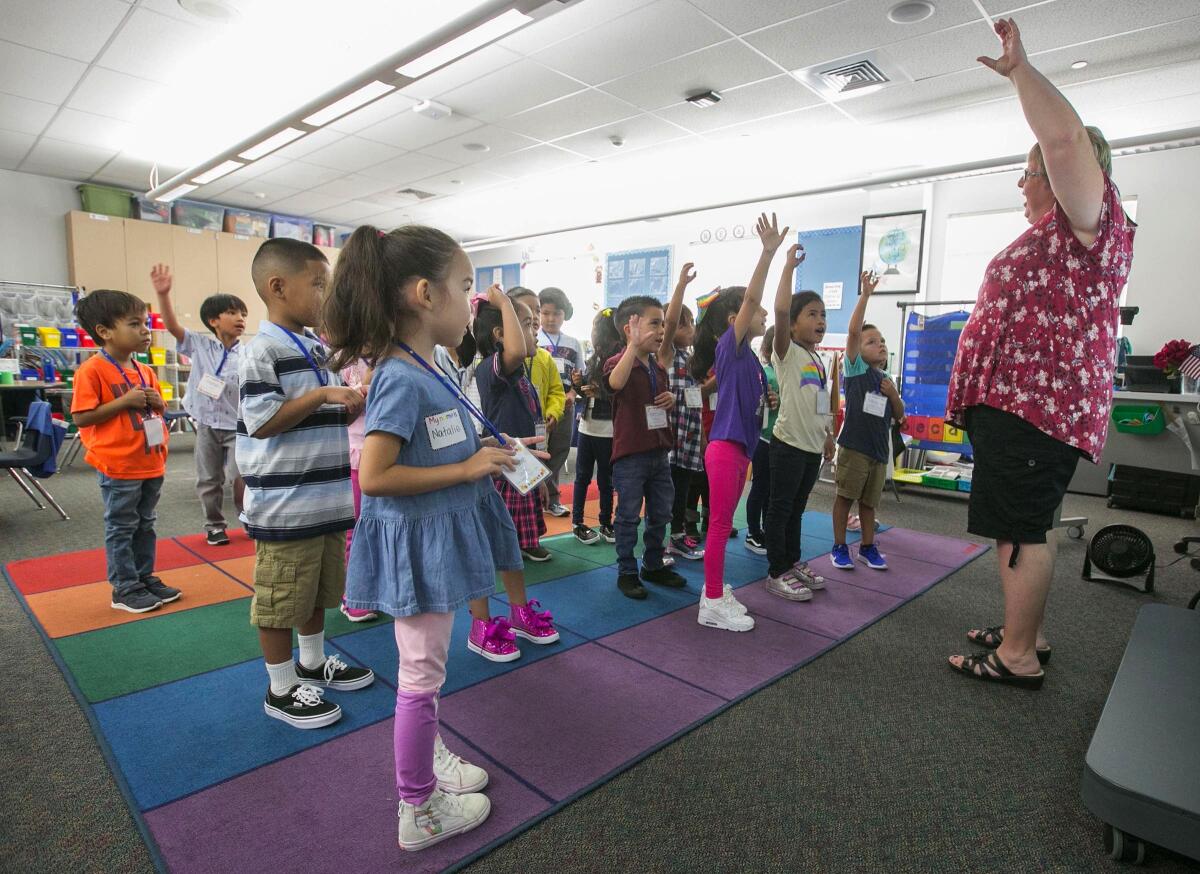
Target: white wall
point(33, 230)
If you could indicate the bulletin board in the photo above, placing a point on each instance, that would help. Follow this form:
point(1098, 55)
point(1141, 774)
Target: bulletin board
point(930, 344)
point(830, 257)
point(637, 271)
point(508, 275)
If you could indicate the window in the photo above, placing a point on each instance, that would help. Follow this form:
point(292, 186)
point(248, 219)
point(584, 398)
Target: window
point(639, 271)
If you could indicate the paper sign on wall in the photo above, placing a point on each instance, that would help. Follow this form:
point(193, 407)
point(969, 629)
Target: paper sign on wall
point(498, 276)
point(831, 293)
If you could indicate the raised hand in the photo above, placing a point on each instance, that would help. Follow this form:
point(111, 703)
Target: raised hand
point(868, 281)
point(495, 295)
point(1012, 50)
point(795, 257)
point(769, 233)
point(160, 278)
point(686, 274)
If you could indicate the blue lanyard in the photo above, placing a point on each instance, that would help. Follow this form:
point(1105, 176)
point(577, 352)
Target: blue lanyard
point(651, 366)
point(456, 390)
point(553, 345)
point(527, 388)
point(225, 357)
point(322, 376)
point(121, 370)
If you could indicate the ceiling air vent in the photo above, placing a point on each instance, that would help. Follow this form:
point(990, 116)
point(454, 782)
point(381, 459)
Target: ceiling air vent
point(851, 77)
point(855, 75)
point(415, 194)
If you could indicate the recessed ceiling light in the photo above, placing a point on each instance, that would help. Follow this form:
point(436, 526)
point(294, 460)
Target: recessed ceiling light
point(910, 12)
point(704, 98)
point(213, 10)
point(260, 195)
point(1079, 65)
point(477, 147)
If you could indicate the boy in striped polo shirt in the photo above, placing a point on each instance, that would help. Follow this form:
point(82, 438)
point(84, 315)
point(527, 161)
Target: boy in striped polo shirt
point(294, 455)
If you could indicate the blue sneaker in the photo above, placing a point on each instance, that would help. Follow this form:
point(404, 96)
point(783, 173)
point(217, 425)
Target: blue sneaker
point(841, 557)
point(871, 557)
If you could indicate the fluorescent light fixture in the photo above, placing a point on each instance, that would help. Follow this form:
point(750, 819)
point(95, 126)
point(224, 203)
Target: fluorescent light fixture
point(178, 191)
point(271, 143)
point(217, 172)
point(497, 27)
point(703, 99)
point(349, 103)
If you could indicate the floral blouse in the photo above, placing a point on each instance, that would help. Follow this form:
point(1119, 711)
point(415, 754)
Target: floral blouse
point(1041, 342)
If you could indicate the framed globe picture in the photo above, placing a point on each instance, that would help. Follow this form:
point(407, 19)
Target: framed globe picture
point(891, 246)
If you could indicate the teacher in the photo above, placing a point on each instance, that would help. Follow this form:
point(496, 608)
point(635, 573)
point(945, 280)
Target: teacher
point(1033, 378)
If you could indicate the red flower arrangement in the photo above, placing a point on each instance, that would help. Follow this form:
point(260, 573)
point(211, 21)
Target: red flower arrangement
point(1171, 355)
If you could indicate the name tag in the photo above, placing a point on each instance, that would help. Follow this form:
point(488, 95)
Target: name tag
point(765, 412)
point(564, 367)
point(692, 398)
point(445, 429)
point(822, 402)
point(656, 417)
point(155, 430)
point(875, 404)
point(712, 401)
point(528, 473)
point(211, 387)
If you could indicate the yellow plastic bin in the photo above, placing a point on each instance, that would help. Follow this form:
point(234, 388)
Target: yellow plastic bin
point(158, 356)
point(167, 391)
point(50, 337)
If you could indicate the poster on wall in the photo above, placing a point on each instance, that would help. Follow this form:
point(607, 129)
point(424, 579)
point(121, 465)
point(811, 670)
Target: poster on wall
point(930, 344)
point(505, 275)
point(891, 246)
point(635, 272)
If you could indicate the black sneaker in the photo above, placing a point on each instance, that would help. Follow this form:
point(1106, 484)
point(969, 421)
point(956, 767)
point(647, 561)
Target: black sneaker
point(587, 535)
point(756, 545)
point(137, 601)
point(537, 553)
point(336, 674)
point(302, 707)
point(664, 576)
point(217, 538)
point(631, 587)
point(557, 509)
point(161, 590)
point(606, 531)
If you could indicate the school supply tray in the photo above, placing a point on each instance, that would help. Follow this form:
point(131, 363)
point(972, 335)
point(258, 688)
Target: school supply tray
point(1139, 418)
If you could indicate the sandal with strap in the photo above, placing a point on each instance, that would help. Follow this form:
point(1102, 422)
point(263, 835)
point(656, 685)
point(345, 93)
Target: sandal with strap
point(994, 636)
point(992, 670)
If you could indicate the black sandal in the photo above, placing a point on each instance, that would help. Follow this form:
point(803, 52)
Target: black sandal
point(992, 670)
point(994, 636)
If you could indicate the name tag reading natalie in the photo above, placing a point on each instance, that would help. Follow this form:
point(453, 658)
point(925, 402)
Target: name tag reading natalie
point(211, 386)
point(445, 429)
point(875, 404)
point(154, 428)
point(656, 417)
point(692, 397)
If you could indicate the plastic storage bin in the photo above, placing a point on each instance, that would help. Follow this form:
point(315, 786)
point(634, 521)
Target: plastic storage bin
point(142, 357)
point(291, 227)
point(323, 235)
point(193, 214)
point(70, 338)
point(247, 222)
point(29, 335)
point(151, 210)
point(51, 338)
point(106, 201)
point(158, 356)
point(167, 391)
point(1139, 418)
point(85, 340)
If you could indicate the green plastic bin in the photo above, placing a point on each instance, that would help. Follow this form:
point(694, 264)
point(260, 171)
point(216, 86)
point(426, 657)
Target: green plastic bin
point(1139, 418)
point(106, 201)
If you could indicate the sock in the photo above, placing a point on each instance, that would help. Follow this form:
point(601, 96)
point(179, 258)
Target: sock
point(312, 649)
point(283, 677)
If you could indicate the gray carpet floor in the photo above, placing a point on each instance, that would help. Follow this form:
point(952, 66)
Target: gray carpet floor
point(874, 757)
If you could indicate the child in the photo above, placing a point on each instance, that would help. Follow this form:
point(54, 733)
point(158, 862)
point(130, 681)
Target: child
point(293, 451)
point(801, 436)
point(503, 334)
point(212, 395)
point(760, 488)
point(542, 372)
point(567, 357)
point(118, 410)
point(687, 455)
point(433, 529)
point(356, 375)
point(727, 325)
point(642, 441)
point(863, 445)
point(596, 433)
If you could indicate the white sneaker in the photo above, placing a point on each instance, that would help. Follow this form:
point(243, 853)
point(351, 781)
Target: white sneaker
point(441, 816)
point(805, 576)
point(720, 613)
point(734, 603)
point(789, 588)
point(455, 775)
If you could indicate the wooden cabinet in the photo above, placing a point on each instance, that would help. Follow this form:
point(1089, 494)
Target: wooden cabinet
point(235, 254)
point(195, 267)
point(146, 244)
point(96, 251)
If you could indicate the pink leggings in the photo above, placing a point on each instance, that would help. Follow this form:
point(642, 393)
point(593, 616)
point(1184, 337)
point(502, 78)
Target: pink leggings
point(726, 464)
point(423, 641)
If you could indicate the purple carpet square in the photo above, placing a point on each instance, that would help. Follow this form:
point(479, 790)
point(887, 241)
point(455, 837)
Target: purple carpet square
point(933, 548)
point(596, 710)
point(277, 818)
point(729, 664)
point(905, 577)
point(836, 611)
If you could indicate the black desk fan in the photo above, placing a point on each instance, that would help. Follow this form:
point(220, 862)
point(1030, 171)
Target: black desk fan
point(1118, 554)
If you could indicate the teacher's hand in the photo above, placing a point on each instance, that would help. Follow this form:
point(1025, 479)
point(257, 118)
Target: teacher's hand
point(1013, 50)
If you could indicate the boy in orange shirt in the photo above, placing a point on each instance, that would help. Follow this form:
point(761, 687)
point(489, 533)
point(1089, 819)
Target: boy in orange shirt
point(118, 410)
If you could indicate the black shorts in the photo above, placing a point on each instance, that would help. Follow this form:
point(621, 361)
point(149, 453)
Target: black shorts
point(1020, 477)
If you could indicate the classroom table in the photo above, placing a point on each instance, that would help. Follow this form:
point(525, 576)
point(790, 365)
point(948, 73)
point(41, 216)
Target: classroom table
point(18, 389)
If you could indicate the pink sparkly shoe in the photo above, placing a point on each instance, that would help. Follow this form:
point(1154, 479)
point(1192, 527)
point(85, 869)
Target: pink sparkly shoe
point(532, 623)
point(493, 640)
point(357, 615)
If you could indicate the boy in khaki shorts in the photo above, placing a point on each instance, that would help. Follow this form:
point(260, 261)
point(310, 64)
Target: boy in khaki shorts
point(294, 455)
point(863, 445)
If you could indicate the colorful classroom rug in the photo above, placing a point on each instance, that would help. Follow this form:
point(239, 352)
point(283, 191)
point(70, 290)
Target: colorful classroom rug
point(175, 696)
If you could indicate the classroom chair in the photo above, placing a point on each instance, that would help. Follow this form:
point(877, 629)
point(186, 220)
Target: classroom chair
point(35, 449)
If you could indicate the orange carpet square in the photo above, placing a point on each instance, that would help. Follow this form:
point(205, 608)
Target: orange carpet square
point(239, 545)
point(239, 568)
point(33, 575)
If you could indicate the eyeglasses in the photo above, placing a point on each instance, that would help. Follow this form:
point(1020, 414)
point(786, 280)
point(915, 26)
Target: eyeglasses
point(1027, 173)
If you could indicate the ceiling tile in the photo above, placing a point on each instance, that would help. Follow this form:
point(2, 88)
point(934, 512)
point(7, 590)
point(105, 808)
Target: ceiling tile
point(36, 75)
point(297, 174)
point(514, 88)
point(463, 71)
point(579, 17)
point(373, 113)
point(74, 126)
point(498, 140)
point(717, 68)
point(826, 36)
point(73, 160)
point(740, 16)
point(570, 115)
point(762, 99)
point(24, 116)
point(633, 42)
point(1172, 43)
point(305, 203)
point(539, 159)
point(407, 168)
point(116, 95)
point(352, 154)
point(460, 180)
point(797, 126)
point(248, 195)
point(74, 28)
point(256, 169)
point(354, 211)
point(637, 133)
point(1067, 22)
point(350, 187)
point(148, 45)
point(936, 94)
point(392, 218)
point(13, 147)
point(318, 139)
point(408, 130)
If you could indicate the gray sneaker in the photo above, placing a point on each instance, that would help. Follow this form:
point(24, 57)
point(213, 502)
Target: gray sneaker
point(156, 587)
point(137, 601)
